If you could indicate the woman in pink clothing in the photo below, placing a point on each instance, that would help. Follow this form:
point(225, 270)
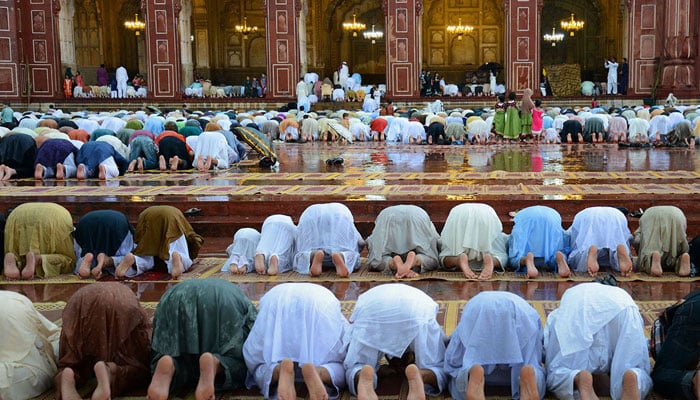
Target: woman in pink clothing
point(537, 114)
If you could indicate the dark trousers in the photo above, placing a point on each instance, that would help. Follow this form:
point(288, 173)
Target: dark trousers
point(675, 366)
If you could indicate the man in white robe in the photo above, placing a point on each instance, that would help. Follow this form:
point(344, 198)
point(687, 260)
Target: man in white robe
point(297, 334)
point(241, 252)
point(122, 77)
point(404, 239)
point(275, 251)
point(328, 239)
point(473, 240)
point(612, 65)
point(343, 75)
point(211, 151)
point(391, 320)
point(597, 329)
point(600, 236)
point(28, 349)
point(513, 357)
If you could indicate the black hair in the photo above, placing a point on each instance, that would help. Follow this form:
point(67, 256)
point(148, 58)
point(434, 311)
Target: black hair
point(511, 96)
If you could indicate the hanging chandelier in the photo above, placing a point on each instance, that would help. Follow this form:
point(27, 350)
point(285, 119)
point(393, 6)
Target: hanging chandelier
point(554, 37)
point(353, 26)
point(245, 29)
point(459, 29)
point(135, 25)
point(373, 35)
point(572, 25)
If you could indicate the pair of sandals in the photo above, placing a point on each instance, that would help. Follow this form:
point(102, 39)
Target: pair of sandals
point(335, 161)
point(608, 279)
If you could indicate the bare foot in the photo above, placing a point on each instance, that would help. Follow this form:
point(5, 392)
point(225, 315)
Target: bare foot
point(159, 388)
point(584, 383)
point(161, 163)
point(365, 384)
point(464, 266)
point(139, 163)
point(684, 267)
point(314, 384)
point(242, 269)
point(174, 163)
point(200, 164)
point(317, 263)
point(60, 171)
point(67, 383)
point(9, 173)
point(624, 260)
point(80, 173)
point(273, 265)
point(103, 260)
point(656, 269)
point(405, 270)
point(33, 260)
point(285, 383)
point(104, 379)
point(487, 272)
point(124, 266)
point(208, 367)
point(39, 171)
point(85, 265)
point(102, 172)
point(10, 267)
point(475, 385)
point(630, 389)
point(132, 166)
point(340, 268)
point(528, 384)
point(416, 391)
point(260, 264)
point(592, 261)
point(562, 266)
point(530, 265)
point(176, 266)
point(207, 163)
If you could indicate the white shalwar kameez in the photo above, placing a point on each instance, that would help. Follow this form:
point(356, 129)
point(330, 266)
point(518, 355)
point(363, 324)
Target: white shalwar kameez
point(603, 227)
point(242, 251)
point(277, 238)
point(389, 320)
point(302, 322)
point(329, 227)
point(597, 328)
point(28, 350)
point(474, 229)
point(212, 144)
point(518, 343)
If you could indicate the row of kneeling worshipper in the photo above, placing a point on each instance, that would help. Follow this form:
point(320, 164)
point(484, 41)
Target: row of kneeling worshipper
point(207, 336)
point(108, 145)
point(40, 240)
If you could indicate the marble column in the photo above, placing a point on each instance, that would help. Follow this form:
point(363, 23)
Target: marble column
point(680, 45)
point(522, 60)
point(282, 45)
point(403, 20)
point(163, 48)
point(9, 57)
point(186, 43)
point(37, 34)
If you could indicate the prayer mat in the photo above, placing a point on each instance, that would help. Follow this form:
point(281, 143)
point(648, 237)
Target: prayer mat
point(391, 385)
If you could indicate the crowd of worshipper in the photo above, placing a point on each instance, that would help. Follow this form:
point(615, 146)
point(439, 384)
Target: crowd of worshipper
point(207, 336)
point(107, 85)
point(251, 87)
point(433, 84)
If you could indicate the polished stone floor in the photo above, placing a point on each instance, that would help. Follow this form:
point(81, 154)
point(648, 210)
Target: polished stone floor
point(384, 165)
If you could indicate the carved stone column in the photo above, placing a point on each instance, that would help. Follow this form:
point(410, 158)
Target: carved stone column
point(645, 43)
point(403, 47)
point(9, 57)
point(680, 45)
point(522, 61)
point(163, 48)
point(282, 46)
point(39, 53)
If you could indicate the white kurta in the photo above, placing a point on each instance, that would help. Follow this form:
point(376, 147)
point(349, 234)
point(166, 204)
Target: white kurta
point(329, 227)
point(212, 144)
point(473, 229)
point(28, 350)
point(277, 237)
point(242, 251)
point(302, 322)
point(604, 227)
point(612, 76)
point(597, 328)
point(517, 344)
point(389, 320)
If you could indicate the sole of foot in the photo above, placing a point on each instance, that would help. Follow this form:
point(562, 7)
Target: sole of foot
point(176, 270)
point(317, 263)
point(340, 268)
point(85, 264)
point(32, 260)
point(159, 389)
point(314, 384)
point(656, 269)
point(10, 267)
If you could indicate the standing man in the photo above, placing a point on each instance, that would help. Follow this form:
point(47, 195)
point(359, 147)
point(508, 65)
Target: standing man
point(102, 76)
point(611, 64)
point(624, 76)
point(122, 78)
point(343, 74)
point(263, 85)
